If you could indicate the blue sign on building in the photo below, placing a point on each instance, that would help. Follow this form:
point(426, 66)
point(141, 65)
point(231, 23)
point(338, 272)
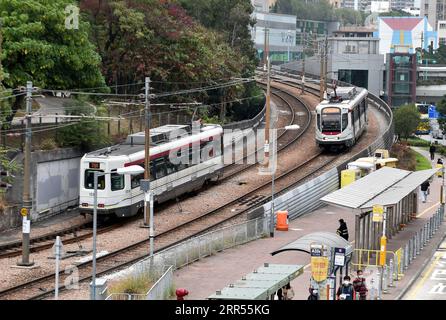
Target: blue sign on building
point(433, 114)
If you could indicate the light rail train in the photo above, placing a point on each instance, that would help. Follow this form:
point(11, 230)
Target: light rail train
point(177, 166)
point(342, 118)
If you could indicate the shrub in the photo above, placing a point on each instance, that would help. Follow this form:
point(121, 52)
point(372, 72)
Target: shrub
point(138, 284)
point(48, 144)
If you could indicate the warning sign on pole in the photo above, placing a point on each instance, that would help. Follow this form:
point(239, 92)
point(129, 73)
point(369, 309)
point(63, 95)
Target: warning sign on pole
point(26, 225)
point(24, 212)
point(378, 213)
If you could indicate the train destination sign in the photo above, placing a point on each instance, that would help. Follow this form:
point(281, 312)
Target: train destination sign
point(95, 165)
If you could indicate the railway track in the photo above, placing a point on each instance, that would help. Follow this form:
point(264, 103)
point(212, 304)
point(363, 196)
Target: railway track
point(42, 287)
point(285, 138)
point(82, 231)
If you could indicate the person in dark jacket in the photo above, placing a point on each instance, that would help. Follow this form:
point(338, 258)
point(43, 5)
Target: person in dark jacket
point(432, 150)
point(346, 290)
point(359, 284)
point(342, 230)
point(313, 294)
point(424, 189)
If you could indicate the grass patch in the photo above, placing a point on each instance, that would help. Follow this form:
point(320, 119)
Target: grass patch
point(138, 284)
point(422, 162)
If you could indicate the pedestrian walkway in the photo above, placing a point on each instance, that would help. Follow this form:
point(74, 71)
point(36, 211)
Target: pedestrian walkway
point(204, 277)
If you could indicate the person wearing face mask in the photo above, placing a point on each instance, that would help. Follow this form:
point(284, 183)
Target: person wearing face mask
point(346, 290)
point(360, 286)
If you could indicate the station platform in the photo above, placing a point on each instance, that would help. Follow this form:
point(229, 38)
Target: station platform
point(204, 277)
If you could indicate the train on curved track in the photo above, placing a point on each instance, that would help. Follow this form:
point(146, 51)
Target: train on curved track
point(182, 159)
point(342, 118)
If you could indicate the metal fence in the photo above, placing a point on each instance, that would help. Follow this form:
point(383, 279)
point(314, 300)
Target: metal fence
point(420, 239)
point(190, 251)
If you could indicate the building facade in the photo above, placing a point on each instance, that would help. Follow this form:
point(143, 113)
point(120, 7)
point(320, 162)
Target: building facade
point(405, 34)
point(281, 30)
point(262, 5)
point(401, 79)
point(434, 10)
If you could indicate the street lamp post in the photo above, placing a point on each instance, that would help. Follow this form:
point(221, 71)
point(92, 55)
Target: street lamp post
point(288, 42)
point(273, 176)
point(132, 170)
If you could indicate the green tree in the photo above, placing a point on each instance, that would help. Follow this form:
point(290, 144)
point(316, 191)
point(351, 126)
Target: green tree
point(88, 134)
point(320, 10)
point(349, 16)
point(407, 119)
point(37, 46)
point(394, 13)
point(441, 108)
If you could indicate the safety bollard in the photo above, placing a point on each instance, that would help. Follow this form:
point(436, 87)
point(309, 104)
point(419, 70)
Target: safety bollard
point(423, 237)
point(372, 291)
point(380, 283)
point(430, 228)
point(406, 256)
point(391, 273)
point(425, 234)
point(417, 243)
point(410, 250)
point(385, 283)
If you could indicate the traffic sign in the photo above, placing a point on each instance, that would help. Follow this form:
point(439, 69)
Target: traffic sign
point(339, 258)
point(378, 213)
point(24, 212)
point(316, 250)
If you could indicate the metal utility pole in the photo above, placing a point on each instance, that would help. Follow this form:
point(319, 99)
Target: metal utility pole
point(321, 82)
point(303, 63)
point(27, 202)
point(265, 59)
point(268, 112)
point(147, 145)
point(325, 63)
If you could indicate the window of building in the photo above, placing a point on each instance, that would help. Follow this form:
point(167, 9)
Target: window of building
point(442, 41)
point(442, 25)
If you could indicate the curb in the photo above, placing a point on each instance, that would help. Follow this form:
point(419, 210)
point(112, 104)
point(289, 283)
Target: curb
point(416, 276)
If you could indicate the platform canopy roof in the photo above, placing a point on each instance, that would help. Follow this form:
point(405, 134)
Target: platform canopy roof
point(261, 283)
point(386, 186)
point(328, 239)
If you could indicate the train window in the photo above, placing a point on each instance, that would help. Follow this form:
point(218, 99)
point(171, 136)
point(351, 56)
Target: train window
point(170, 167)
point(331, 119)
point(318, 120)
point(117, 181)
point(160, 169)
point(89, 180)
point(344, 121)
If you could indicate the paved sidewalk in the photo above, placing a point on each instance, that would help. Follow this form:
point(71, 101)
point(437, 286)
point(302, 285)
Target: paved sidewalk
point(204, 277)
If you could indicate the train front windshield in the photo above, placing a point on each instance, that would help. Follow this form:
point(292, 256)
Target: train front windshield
point(331, 120)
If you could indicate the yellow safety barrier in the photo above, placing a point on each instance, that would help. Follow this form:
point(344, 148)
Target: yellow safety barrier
point(371, 258)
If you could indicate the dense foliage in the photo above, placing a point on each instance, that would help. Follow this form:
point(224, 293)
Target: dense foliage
point(407, 119)
point(38, 47)
point(320, 11)
point(87, 134)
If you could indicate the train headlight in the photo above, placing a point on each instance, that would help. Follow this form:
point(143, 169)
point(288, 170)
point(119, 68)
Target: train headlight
point(101, 205)
point(84, 204)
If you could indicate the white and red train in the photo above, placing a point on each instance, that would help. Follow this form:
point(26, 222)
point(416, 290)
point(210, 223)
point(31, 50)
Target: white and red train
point(197, 157)
point(341, 119)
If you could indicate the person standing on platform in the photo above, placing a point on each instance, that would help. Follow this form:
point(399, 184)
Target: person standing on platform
point(342, 230)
